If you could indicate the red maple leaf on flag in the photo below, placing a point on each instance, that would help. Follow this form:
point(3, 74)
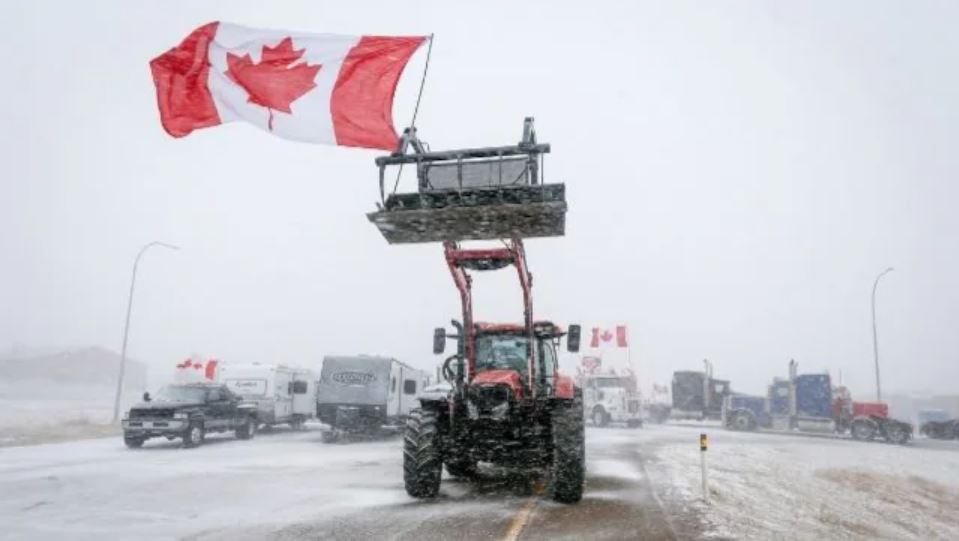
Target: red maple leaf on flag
point(277, 80)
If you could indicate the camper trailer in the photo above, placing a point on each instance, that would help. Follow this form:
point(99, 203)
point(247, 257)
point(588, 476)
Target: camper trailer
point(364, 393)
point(283, 394)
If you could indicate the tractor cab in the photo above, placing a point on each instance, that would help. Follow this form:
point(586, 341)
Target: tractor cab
point(485, 193)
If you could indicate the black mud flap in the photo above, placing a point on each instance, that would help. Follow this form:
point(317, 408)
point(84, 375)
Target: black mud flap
point(479, 214)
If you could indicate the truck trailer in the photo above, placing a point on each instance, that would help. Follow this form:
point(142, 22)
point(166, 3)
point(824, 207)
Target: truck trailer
point(282, 394)
point(809, 403)
point(364, 393)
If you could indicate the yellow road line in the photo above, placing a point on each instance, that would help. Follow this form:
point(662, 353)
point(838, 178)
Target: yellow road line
point(522, 517)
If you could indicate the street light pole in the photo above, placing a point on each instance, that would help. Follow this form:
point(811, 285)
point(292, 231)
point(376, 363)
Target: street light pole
point(875, 336)
point(126, 327)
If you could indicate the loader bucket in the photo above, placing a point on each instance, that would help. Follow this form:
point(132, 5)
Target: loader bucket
point(478, 214)
point(471, 194)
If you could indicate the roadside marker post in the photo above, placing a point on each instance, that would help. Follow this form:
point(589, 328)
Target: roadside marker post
point(703, 445)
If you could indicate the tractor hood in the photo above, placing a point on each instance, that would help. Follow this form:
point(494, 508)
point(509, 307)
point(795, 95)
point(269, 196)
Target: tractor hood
point(510, 378)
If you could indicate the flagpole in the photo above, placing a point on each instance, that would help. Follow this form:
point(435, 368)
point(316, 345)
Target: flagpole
point(416, 108)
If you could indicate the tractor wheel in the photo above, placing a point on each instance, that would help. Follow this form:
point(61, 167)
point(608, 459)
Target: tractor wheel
point(863, 430)
point(422, 456)
point(247, 430)
point(896, 433)
point(569, 452)
point(741, 422)
point(193, 436)
point(461, 468)
point(600, 417)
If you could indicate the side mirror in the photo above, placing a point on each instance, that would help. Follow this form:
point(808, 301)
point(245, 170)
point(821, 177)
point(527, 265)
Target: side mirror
point(439, 340)
point(146, 397)
point(572, 338)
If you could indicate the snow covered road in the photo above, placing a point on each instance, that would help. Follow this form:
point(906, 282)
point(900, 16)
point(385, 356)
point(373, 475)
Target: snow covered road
point(641, 484)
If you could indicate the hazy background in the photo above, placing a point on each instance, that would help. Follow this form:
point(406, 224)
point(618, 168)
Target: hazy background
point(737, 175)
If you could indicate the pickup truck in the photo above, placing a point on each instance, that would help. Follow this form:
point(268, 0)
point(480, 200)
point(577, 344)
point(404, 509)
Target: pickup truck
point(189, 411)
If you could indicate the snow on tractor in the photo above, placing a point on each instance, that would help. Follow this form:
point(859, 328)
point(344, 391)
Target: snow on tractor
point(509, 405)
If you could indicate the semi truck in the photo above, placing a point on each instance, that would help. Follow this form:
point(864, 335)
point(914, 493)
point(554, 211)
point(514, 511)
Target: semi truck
point(611, 398)
point(809, 403)
point(698, 395)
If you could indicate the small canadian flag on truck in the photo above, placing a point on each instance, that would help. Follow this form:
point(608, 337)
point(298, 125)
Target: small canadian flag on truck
point(602, 336)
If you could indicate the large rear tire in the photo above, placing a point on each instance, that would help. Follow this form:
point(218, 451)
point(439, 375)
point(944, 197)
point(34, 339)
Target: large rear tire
point(422, 455)
point(569, 452)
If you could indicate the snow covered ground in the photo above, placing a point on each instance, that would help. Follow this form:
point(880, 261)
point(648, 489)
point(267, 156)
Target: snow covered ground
point(641, 484)
point(767, 486)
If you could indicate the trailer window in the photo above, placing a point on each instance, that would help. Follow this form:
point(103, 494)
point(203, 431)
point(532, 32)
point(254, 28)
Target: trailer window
point(299, 387)
point(409, 386)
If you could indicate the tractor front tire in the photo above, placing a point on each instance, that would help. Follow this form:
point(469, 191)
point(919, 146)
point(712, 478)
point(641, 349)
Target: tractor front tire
point(569, 452)
point(422, 455)
point(896, 433)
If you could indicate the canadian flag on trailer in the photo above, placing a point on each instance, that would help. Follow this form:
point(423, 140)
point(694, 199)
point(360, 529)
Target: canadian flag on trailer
point(317, 88)
point(603, 336)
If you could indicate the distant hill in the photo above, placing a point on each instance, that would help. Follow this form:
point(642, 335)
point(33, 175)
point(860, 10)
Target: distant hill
point(94, 366)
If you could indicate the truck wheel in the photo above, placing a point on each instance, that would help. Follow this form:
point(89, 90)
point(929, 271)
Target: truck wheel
point(461, 468)
point(634, 423)
point(193, 436)
point(862, 430)
point(422, 456)
point(297, 422)
point(741, 422)
point(247, 430)
point(133, 442)
point(896, 433)
point(330, 436)
point(600, 418)
point(569, 452)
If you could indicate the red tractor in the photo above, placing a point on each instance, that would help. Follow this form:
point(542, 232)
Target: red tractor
point(509, 405)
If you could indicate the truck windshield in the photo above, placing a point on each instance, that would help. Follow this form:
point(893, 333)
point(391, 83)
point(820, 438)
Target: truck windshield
point(180, 393)
point(502, 352)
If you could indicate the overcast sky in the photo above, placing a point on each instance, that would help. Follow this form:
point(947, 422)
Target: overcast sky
point(737, 172)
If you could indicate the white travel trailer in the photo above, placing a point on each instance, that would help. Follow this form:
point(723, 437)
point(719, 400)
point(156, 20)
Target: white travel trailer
point(364, 393)
point(283, 394)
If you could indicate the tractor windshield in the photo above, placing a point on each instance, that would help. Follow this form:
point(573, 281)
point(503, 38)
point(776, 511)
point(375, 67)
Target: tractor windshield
point(502, 352)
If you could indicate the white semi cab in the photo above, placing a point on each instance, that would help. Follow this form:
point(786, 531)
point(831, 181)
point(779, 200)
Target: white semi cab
point(611, 399)
point(283, 394)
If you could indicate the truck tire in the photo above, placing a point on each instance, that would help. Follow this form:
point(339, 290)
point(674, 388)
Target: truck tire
point(600, 417)
point(297, 422)
point(247, 430)
point(862, 429)
point(330, 436)
point(741, 421)
point(896, 433)
point(569, 452)
point(422, 455)
point(634, 423)
point(193, 436)
point(133, 442)
point(461, 468)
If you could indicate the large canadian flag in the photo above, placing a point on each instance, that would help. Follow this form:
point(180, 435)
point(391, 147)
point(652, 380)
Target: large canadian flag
point(317, 88)
point(601, 336)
